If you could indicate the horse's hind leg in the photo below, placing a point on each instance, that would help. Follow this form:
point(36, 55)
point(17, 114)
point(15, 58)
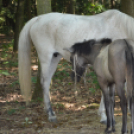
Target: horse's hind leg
point(48, 67)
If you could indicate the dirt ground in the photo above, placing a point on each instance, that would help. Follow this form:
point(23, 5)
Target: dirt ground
point(76, 109)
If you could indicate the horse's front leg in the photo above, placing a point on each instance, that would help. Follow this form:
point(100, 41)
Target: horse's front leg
point(51, 114)
point(47, 70)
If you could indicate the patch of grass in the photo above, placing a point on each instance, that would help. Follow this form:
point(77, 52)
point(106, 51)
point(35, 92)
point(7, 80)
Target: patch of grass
point(22, 107)
point(93, 81)
point(11, 111)
point(92, 90)
point(34, 79)
point(4, 72)
point(59, 106)
point(14, 83)
point(27, 122)
point(38, 100)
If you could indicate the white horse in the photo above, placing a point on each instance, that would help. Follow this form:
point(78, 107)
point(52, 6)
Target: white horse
point(52, 32)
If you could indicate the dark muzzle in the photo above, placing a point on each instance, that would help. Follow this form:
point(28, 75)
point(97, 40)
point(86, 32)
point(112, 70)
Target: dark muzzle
point(79, 73)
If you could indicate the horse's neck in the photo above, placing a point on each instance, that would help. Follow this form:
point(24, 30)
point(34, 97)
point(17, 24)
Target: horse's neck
point(127, 25)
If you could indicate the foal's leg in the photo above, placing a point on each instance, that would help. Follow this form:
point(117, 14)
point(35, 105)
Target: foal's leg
point(130, 98)
point(112, 104)
point(123, 104)
point(102, 110)
point(47, 70)
point(132, 113)
point(104, 87)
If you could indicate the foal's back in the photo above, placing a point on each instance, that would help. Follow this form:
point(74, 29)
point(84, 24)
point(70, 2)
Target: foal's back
point(117, 59)
point(110, 64)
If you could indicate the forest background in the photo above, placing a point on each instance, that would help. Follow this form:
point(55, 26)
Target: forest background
point(13, 16)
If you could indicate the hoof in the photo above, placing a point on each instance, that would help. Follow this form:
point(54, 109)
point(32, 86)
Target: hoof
point(124, 132)
point(52, 119)
point(113, 129)
point(104, 122)
point(110, 130)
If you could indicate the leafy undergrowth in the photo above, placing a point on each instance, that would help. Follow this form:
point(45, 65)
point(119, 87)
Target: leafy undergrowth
point(76, 108)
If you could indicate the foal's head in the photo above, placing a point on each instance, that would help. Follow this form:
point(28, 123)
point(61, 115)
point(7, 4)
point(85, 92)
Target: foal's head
point(83, 54)
point(78, 57)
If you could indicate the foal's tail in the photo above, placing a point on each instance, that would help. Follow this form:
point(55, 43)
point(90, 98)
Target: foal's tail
point(130, 73)
point(24, 57)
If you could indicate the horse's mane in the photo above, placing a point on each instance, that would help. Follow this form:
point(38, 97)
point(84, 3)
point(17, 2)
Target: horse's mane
point(86, 46)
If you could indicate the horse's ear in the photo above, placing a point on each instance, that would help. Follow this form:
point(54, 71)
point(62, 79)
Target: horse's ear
point(71, 50)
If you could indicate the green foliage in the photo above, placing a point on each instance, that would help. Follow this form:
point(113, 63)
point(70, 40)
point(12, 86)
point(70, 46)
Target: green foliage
point(86, 7)
point(22, 108)
point(59, 106)
point(91, 8)
point(94, 81)
point(7, 47)
point(10, 63)
point(38, 99)
point(5, 16)
point(92, 90)
point(34, 79)
point(11, 111)
point(14, 83)
point(27, 122)
point(58, 6)
point(4, 72)
point(5, 12)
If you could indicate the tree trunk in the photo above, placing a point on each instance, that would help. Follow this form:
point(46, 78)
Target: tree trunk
point(19, 23)
point(127, 6)
point(54, 5)
point(70, 6)
point(28, 9)
point(0, 5)
point(106, 3)
point(43, 6)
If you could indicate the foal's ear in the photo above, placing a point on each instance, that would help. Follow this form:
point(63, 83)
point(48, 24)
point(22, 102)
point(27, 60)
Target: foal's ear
point(71, 50)
point(92, 42)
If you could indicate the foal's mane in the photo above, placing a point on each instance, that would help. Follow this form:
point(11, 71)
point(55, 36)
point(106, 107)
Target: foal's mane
point(86, 46)
point(83, 47)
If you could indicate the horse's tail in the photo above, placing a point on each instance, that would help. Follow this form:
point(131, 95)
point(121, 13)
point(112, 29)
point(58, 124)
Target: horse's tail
point(130, 73)
point(24, 59)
